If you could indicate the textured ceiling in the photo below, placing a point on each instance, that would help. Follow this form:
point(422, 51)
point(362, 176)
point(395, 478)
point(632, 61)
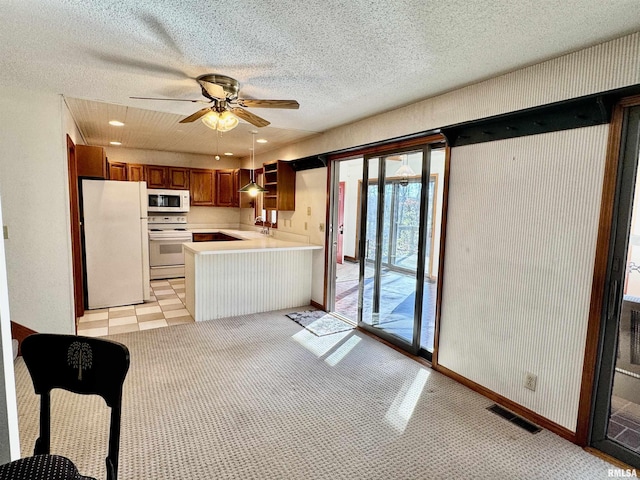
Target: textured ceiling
point(342, 60)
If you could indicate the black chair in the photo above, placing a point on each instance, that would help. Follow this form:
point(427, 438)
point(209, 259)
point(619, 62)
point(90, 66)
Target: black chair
point(88, 366)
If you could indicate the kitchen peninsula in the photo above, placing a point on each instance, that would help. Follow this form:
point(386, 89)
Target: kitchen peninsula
point(256, 273)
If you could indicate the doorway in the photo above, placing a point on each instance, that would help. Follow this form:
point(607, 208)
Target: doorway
point(616, 414)
point(388, 210)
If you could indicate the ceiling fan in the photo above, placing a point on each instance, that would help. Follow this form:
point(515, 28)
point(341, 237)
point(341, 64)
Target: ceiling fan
point(222, 93)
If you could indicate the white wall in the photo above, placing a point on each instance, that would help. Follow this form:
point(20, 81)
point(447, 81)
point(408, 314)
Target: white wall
point(174, 159)
point(521, 235)
point(35, 208)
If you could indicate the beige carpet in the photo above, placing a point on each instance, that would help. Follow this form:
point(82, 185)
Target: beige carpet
point(259, 397)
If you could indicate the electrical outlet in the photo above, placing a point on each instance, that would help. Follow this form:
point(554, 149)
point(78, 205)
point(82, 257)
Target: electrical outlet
point(530, 381)
point(305, 225)
point(308, 210)
point(5, 232)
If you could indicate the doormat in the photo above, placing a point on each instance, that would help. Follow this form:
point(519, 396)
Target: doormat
point(319, 323)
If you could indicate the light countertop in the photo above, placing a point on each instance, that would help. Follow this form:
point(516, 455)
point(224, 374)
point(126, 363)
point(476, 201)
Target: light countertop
point(252, 242)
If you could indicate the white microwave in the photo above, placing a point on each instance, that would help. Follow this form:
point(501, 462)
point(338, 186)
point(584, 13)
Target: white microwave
point(167, 200)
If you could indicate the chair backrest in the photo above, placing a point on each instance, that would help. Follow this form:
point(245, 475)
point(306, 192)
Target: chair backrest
point(81, 365)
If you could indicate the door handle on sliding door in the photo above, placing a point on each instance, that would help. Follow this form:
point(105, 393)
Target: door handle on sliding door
point(613, 299)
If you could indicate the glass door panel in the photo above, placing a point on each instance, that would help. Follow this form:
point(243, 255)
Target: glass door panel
point(391, 242)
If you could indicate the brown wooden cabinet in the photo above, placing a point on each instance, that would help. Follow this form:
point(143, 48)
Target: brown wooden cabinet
point(201, 187)
point(178, 178)
point(280, 182)
point(91, 161)
point(136, 172)
point(156, 176)
point(117, 170)
point(242, 177)
point(226, 189)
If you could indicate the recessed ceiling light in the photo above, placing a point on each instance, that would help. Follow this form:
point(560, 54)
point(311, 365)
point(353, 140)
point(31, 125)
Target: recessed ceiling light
point(116, 123)
point(228, 154)
point(261, 140)
point(115, 143)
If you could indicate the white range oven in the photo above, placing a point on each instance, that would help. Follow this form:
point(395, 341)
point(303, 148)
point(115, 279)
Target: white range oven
point(167, 233)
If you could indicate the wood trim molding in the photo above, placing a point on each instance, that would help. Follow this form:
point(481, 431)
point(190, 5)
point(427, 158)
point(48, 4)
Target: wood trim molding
point(608, 458)
point(350, 259)
point(317, 305)
point(509, 404)
point(20, 332)
point(381, 148)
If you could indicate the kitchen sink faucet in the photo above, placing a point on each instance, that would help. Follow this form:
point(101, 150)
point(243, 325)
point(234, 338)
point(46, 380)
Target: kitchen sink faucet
point(265, 228)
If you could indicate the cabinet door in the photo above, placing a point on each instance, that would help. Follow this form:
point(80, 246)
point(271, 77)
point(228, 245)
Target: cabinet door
point(136, 172)
point(91, 161)
point(156, 176)
point(201, 183)
point(225, 188)
point(179, 178)
point(117, 171)
point(242, 200)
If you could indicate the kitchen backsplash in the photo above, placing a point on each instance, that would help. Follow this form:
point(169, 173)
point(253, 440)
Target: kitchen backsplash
point(221, 217)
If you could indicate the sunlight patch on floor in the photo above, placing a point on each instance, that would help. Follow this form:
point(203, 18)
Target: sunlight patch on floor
point(342, 351)
point(402, 408)
point(319, 346)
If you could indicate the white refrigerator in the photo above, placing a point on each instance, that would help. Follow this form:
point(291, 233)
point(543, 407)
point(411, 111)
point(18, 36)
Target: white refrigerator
point(116, 242)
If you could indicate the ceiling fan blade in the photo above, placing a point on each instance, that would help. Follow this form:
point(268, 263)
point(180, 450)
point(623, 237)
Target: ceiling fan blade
point(249, 117)
point(195, 116)
point(255, 103)
point(172, 99)
point(213, 89)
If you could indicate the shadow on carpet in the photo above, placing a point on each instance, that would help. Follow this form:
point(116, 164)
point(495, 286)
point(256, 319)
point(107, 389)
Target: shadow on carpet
point(319, 323)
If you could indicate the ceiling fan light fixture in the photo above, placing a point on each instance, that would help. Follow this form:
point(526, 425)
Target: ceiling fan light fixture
point(211, 119)
point(405, 171)
point(227, 121)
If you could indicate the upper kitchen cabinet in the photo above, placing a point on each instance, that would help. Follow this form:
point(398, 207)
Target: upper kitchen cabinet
point(117, 170)
point(201, 185)
point(156, 176)
point(136, 172)
point(167, 177)
point(226, 189)
point(242, 176)
point(280, 183)
point(228, 182)
point(92, 161)
point(178, 178)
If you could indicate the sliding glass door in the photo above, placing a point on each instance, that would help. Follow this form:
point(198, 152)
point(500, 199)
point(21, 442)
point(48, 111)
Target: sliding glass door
point(395, 245)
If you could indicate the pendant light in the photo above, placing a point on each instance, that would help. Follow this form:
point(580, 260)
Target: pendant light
point(405, 171)
point(252, 188)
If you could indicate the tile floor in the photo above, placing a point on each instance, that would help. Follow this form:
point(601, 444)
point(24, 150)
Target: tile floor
point(165, 308)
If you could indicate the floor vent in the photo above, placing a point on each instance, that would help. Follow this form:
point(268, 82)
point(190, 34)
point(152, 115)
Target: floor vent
point(513, 418)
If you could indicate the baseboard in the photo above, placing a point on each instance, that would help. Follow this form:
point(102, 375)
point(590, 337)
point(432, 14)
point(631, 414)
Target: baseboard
point(350, 259)
point(317, 305)
point(20, 332)
point(510, 405)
